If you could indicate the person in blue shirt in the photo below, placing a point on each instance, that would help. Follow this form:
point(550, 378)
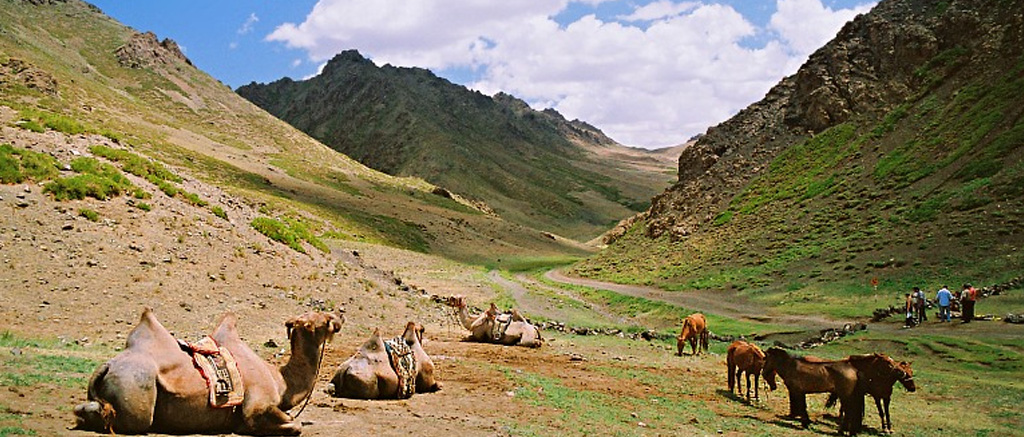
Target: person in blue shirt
point(944, 297)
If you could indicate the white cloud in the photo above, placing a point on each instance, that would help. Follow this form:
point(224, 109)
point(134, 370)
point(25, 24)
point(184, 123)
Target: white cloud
point(296, 63)
point(806, 25)
point(658, 10)
point(247, 26)
point(684, 70)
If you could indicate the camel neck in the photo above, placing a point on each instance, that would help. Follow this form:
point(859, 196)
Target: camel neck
point(464, 318)
point(300, 371)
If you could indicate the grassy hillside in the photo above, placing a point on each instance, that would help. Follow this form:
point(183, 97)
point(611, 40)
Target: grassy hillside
point(533, 168)
point(926, 189)
point(66, 67)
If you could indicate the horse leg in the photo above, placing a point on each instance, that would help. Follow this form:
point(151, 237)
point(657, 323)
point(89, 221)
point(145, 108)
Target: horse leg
point(798, 408)
point(733, 374)
point(757, 376)
point(887, 419)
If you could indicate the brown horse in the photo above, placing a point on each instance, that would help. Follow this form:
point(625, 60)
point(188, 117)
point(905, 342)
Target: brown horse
point(695, 328)
point(802, 376)
point(744, 357)
point(876, 375)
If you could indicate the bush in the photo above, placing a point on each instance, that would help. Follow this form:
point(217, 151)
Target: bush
point(19, 165)
point(136, 165)
point(143, 206)
point(193, 198)
point(219, 212)
point(93, 216)
point(291, 232)
point(95, 179)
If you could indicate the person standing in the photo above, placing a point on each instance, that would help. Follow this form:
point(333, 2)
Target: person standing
point(968, 296)
point(945, 298)
point(921, 304)
point(909, 308)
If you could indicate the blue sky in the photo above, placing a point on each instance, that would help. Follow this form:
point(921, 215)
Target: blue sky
point(650, 73)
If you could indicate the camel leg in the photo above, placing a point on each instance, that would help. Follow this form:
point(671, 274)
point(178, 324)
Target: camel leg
point(130, 389)
point(271, 421)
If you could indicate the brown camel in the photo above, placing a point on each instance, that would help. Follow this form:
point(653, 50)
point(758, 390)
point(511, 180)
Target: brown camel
point(393, 369)
point(511, 329)
point(695, 329)
point(153, 386)
point(744, 357)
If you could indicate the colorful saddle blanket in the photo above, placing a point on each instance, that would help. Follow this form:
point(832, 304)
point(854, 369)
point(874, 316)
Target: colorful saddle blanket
point(501, 324)
point(220, 371)
point(404, 362)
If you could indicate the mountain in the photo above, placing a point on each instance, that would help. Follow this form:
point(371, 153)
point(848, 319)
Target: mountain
point(895, 155)
point(67, 69)
point(532, 167)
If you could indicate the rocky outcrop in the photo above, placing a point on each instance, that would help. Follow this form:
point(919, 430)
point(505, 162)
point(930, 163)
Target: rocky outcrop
point(876, 62)
point(144, 50)
point(15, 71)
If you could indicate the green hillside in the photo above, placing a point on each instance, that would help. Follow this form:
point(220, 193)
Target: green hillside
point(67, 67)
point(920, 182)
point(533, 168)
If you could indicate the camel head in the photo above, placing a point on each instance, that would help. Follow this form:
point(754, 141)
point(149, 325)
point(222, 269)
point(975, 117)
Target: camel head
point(314, 327)
point(365, 374)
point(456, 301)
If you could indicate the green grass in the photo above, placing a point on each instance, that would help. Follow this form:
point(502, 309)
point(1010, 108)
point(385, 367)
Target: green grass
point(61, 123)
point(93, 216)
point(135, 164)
point(530, 263)
point(94, 179)
point(290, 232)
point(18, 165)
point(219, 212)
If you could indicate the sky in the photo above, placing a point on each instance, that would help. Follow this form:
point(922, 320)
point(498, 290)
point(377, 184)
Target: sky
point(649, 73)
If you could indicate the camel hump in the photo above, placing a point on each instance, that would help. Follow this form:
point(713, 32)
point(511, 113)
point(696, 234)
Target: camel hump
point(148, 331)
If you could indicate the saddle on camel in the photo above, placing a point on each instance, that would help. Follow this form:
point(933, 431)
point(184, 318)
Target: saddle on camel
point(492, 326)
point(876, 375)
point(386, 369)
point(695, 330)
point(743, 357)
point(154, 385)
point(803, 375)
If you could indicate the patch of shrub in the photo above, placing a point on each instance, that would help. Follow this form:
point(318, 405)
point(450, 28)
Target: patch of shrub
point(93, 216)
point(143, 206)
point(193, 198)
point(290, 232)
point(18, 165)
point(95, 179)
point(219, 212)
point(135, 164)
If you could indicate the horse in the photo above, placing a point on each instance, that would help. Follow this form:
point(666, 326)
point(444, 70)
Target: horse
point(876, 375)
point(744, 357)
point(802, 375)
point(695, 328)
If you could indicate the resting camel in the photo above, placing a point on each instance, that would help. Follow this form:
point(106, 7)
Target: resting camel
point(386, 369)
point(804, 375)
point(153, 386)
point(492, 327)
point(876, 375)
point(744, 357)
point(695, 328)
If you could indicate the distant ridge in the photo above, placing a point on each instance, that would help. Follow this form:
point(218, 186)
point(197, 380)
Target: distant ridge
point(532, 167)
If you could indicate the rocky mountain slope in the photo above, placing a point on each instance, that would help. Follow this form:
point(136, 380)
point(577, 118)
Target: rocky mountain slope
point(532, 167)
point(893, 154)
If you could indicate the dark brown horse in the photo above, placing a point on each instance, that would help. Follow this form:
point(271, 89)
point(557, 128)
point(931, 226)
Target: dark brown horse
point(695, 329)
point(744, 357)
point(876, 375)
point(802, 376)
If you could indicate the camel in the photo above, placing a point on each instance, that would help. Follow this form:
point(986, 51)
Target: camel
point(491, 326)
point(695, 328)
point(153, 386)
point(374, 371)
point(744, 357)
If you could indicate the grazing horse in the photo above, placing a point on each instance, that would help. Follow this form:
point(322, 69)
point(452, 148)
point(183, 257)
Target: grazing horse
point(744, 357)
point(876, 375)
point(802, 375)
point(695, 328)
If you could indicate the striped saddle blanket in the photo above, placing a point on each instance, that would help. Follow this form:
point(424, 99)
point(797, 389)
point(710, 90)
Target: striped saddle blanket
point(404, 362)
point(220, 371)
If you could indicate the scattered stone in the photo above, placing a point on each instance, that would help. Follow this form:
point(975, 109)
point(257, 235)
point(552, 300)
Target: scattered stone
point(271, 343)
point(16, 352)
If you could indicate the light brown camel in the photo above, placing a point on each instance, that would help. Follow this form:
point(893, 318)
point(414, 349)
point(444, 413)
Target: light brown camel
point(744, 357)
point(378, 370)
point(511, 329)
point(153, 386)
point(695, 329)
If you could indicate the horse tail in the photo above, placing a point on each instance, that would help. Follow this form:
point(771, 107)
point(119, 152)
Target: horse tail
point(97, 414)
point(831, 402)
